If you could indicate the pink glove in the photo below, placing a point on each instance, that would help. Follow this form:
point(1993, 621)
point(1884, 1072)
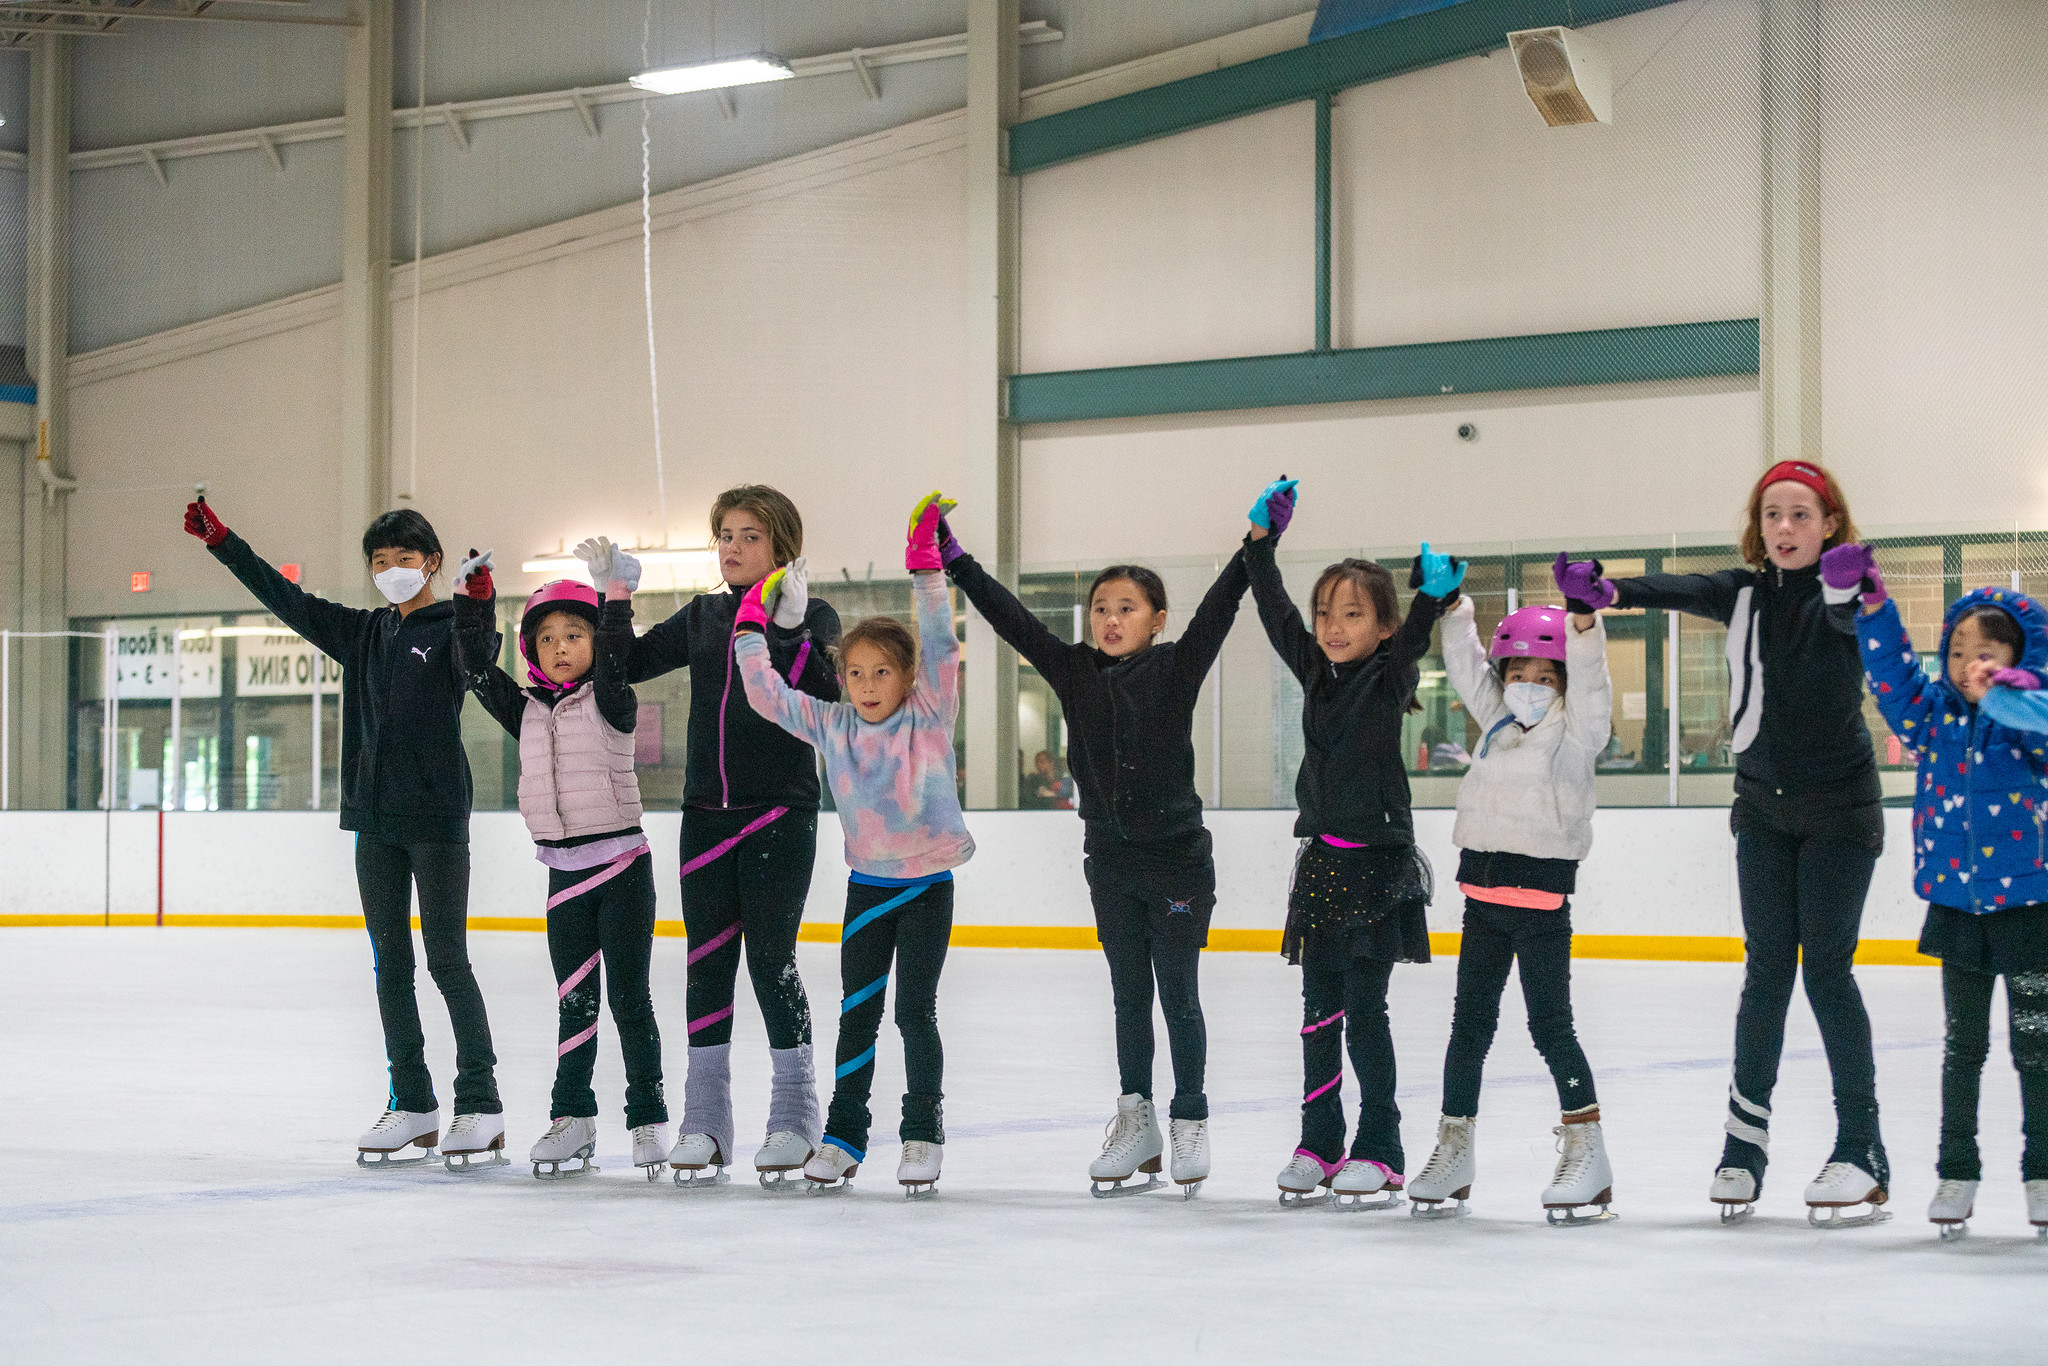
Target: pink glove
point(1581, 581)
point(2020, 680)
point(759, 602)
point(921, 549)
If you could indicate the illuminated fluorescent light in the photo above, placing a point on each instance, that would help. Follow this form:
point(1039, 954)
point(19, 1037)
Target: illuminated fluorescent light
point(701, 562)
point(681, 80)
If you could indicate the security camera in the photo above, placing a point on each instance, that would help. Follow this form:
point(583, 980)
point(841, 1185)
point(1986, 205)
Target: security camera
point(1467, 432)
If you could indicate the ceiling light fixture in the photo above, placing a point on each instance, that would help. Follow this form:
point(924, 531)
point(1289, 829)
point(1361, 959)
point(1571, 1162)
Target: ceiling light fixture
point(697, 566)
point(719, 75)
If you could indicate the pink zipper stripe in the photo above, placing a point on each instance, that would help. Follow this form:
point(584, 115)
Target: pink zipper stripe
point(796, 670)
point(712, 945)
point(571, 1045)
point(569, 984)
point(725, 698)
point(1324, 1087)
point(706, 1021)
point(724, 847)
point(1320, 1023)
point(1343, 844)
point(603, 875)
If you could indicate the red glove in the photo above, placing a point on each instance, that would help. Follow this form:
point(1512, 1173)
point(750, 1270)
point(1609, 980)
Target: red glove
point(200, 522)
point(473, 576)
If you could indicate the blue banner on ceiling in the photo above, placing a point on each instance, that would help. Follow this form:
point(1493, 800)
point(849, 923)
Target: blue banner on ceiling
point(1335, 18)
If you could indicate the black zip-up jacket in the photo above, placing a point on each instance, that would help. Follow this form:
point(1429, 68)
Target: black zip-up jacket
point(1795, 679)
point(404, 776)
point(1130, 721)
point(736, 756)
point(1353, 782)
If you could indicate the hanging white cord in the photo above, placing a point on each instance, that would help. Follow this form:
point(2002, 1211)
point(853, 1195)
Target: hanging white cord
point(419, 162)
point(647, 276)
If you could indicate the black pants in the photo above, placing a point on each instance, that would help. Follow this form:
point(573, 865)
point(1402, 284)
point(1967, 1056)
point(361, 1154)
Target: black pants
point(605, 914)
point(753, 895)
point(1345, 1000)
point(1802, 910)
point(386, 874)
point(1151, 935)
point(1495, 939)
point(1967, 995)
point(911, 927)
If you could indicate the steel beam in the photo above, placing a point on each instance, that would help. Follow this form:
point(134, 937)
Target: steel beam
point(365, 463)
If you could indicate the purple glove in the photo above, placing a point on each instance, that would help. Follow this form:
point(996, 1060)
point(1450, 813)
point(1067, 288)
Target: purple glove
point(949, 549)
point(1280, 510)
point(1580, 581)
point(1275, 507)
point(1853, 566)
point(2020, 680)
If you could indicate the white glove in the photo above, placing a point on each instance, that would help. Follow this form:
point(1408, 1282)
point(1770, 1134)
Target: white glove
point(608, 564)
point(625, 571)
point(794, 599)
point(471, 565)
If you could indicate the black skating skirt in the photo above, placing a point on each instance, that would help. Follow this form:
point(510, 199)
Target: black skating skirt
point(1358, 903)
point(2011, 940)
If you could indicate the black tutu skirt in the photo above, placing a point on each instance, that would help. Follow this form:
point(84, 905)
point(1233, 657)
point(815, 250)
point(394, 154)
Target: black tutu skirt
point(2008, 941)
point(1358, 903)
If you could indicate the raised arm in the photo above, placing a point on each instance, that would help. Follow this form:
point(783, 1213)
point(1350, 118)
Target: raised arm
point(1588, 691)
point(329, 626)
point(1905, 694)
point(1465, 660)
point(1291, 639)
point(476, 652)
point(1199, 645)
point(797, 712)
point(938, 649)
point(617, 574)
point(1010, 619)
point(1711, 596)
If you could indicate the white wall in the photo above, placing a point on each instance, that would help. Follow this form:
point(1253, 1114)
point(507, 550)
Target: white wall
point(1652, 872)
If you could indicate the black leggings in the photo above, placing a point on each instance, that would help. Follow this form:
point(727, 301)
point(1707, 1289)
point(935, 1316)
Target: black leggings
point(911, 927)
point(1802, 909)
point(1150, 935)
point(605, 913)
point(1967, 995)
point(1346, 1001)
point(1496, 938)
point(752, 893)
point(386, 874)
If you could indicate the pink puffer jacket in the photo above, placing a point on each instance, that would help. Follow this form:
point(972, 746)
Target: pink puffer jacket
point(575, 771)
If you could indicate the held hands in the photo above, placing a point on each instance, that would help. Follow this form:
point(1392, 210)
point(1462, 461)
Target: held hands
point(794, 601)
point(1274, 507)
point(200, 522)
point(1853, 566)
point(610, 567)
point(2019, 680)
point(921, 553)
point(949, 549)
point(1585, 589)
point(1436, 575)
point(473, 576)
point(761, 600)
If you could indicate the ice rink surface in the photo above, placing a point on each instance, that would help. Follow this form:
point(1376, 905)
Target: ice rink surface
point(178, 1185)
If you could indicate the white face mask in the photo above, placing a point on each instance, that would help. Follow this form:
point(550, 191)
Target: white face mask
point(400, 584)
point(1529, 701)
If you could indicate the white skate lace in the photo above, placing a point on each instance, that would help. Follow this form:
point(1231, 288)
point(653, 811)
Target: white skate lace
point(1577, 1154)
point(917, 1153)
point(1450, 1145)
point(559, 1126)
point(388, 1121)
point(463, 1126)
point(1186, 1138)
point(1121, 1133)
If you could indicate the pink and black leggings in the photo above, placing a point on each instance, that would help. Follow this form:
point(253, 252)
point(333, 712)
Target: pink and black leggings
point(746, 875)
point(1344, 1000)
point(601, 926)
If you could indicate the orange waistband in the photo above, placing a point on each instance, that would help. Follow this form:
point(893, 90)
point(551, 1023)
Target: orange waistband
point(1521, 898)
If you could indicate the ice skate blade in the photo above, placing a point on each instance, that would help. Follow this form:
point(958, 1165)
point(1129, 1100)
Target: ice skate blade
point(1836, 1219)
point(555, 1172)
point(653, 1169)
point(1953, 1231)
point(1190, 1189)
point(1358, 1203)
point(1434, 1209)
point(1562, 1216)
point(690, 1178)
point(1314, 1199)
point(382, 1161)
point(919, 1190)
point(781, 1178)
point(459, 1164)
point(1735, 1211)
point(1111, 1190)
point(2041, 1233)
point(827, 1187)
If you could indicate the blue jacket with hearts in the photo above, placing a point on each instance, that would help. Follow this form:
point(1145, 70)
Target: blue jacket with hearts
point(1981, 799)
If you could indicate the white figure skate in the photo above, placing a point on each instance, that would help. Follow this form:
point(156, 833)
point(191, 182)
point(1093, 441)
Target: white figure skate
point(1844, 1185)
point(1190, 1140)
point(783, 1153)
point(1583, 1178)
point(693, 1155)
point(650, 1149)
point(1305, 1180)
point(2037, 1208)
point(1363, 1177)
point(1950, 1209)
point(474, 1142)
point(1132, 1145)
point(393, 1133)
point(571, 1138)
point(1450, 1171)
point(830, 1168)
point(1735, 1191)
point(918, 1172)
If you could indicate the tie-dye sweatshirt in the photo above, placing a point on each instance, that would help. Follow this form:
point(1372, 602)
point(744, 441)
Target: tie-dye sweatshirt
point(893, 781)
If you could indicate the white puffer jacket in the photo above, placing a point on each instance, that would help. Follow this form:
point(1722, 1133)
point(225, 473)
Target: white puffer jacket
point(575, 771)
point(1530, 792)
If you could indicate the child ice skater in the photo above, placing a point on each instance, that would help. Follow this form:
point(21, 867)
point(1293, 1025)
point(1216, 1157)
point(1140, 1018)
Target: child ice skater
point(1543, 703)
point(1359, 900)
point(1979, 808)
point(1130, 709)
point(750, 833)
point(888, 751)
point(405, 791)
point(574, 721)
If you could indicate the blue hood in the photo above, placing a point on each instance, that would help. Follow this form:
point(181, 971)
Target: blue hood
point(2032, 619)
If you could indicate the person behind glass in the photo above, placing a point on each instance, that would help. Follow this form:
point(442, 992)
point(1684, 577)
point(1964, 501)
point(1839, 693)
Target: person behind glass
point(574, 720)
point(1044, 787)
point(1806, 818)
point(1130, 709)
point(750, 832)
point(1542, 700)
point(1976, 724)
point(888, 754)
point(1358, 900)
point(405, 792)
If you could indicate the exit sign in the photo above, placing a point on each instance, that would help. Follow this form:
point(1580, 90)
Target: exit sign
point(290, 571)
point(138, 582)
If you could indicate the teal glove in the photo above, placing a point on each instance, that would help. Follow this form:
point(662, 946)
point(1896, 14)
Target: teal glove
point(1274, 508)
point(1436, 575)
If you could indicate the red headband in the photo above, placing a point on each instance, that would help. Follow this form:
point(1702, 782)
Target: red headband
point(1799, 472)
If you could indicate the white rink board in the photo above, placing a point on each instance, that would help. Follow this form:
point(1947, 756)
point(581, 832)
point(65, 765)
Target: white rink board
point(1652, 871)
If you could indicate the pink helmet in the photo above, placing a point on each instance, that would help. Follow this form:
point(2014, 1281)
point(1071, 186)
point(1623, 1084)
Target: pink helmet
point(1532, 633)
point(563, 595)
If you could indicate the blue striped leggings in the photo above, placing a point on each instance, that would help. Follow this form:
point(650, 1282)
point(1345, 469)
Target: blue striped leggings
point(906, 928)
